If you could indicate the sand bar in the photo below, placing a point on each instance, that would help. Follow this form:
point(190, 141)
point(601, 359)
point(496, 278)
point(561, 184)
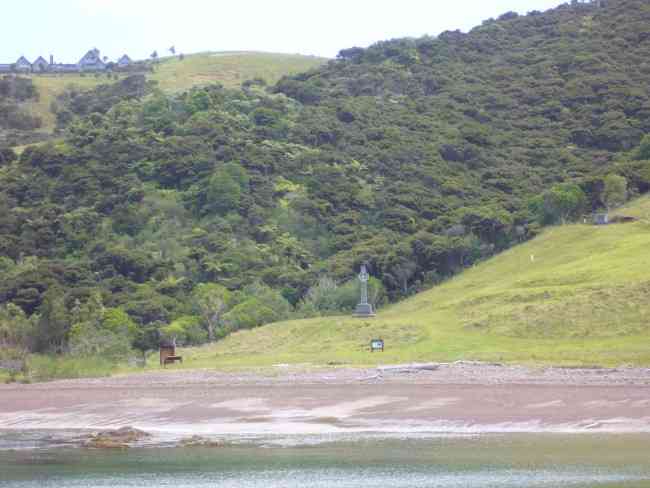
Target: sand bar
point(448, 398)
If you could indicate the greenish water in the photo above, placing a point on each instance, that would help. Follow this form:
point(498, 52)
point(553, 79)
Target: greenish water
point(484, 462)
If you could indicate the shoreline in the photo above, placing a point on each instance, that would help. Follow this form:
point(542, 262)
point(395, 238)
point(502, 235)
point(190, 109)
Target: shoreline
point(462, 398)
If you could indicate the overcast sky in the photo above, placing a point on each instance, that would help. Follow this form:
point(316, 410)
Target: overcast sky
point(68, 28)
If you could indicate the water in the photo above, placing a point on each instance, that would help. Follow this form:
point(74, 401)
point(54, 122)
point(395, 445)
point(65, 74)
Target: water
point(519, 461)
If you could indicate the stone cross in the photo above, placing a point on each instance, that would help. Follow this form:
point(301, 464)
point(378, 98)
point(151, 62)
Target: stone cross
point(363, 278)
point(364, 309)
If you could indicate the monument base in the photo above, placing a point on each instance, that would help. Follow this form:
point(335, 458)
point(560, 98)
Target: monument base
point(364, 310)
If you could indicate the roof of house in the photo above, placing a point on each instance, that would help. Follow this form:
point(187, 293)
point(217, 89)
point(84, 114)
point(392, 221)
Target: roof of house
point(22, 60)
point(91, 56)
point(124, 58)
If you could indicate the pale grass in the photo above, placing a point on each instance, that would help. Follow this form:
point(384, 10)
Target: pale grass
point(230, 69)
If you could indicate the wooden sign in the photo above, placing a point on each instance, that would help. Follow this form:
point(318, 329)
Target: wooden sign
point(377, 345)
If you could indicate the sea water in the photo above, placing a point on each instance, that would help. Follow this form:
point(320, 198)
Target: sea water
point(38, 460)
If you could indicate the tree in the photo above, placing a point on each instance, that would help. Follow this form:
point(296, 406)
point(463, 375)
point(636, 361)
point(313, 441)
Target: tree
point(402, 271)
point(172, 50)
point(211, 302)
point(226, 187)
point(118, 321)
point(154, 56)
point(147, 339)
point(97, 331)
point(321, 297)
point(16, 329)
point(614, 191)
point(53, 323)
point(559, 204)
point(7, 156)
point(644, 148)
point(187, 330)
point(352, 53)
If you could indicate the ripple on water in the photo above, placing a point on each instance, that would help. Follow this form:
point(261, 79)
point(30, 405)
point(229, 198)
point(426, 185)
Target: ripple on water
point(295, 477)
point(509, 461)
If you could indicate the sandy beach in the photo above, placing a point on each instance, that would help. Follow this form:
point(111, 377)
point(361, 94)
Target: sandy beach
point(442, 398)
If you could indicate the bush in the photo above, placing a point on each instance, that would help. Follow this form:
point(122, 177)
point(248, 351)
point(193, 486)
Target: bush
point(47, 368)
point(259, 305)
point(88, 341)
point(328, 298)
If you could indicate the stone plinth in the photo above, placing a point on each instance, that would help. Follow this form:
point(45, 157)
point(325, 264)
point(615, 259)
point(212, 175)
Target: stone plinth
point(364, 310)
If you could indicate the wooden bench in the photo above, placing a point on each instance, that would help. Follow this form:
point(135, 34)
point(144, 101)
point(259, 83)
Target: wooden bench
point(172, 360)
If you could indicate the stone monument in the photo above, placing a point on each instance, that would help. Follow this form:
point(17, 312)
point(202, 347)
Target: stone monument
point(364, 309)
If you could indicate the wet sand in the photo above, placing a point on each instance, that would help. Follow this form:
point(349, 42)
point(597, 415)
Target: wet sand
point(448, 398)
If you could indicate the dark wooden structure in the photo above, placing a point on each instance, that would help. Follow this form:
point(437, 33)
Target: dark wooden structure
point(168, 353)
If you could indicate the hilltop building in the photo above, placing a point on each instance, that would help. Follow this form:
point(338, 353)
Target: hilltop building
point(90, 62)
point(22, 65)
point(40, 65)
point(124, 61)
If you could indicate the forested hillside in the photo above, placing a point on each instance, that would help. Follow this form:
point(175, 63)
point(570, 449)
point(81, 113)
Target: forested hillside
point(200, 213)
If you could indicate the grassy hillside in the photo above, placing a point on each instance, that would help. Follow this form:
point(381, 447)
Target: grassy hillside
point(575, 295)
point(228, 68)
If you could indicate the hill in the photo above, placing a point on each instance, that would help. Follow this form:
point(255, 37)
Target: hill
point(576, 295)
point(422, 157)
point(228, 68)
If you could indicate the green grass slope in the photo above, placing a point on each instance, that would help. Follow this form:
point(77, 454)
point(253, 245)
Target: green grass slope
point(576, 295)
point(228, 68)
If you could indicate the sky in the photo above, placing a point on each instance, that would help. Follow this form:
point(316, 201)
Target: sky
point(68, 28)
